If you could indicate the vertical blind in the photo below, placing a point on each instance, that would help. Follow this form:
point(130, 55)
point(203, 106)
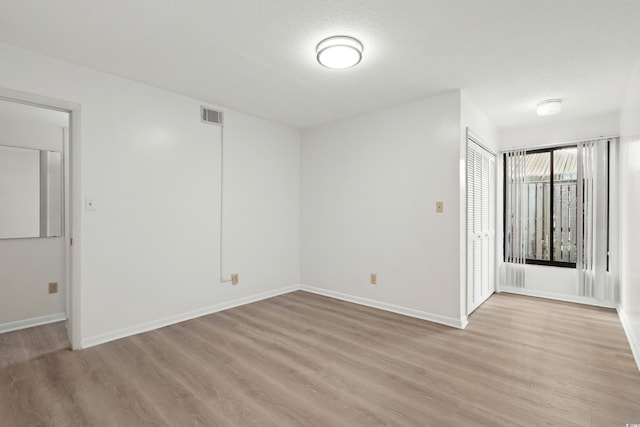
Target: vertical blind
point(592, 202)
point(516, 201)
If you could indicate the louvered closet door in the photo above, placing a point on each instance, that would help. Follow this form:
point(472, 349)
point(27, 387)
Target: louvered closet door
point(481, 175)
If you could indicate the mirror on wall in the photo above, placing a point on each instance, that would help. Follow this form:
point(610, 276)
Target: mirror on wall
point(32, 182)
point(31, 193)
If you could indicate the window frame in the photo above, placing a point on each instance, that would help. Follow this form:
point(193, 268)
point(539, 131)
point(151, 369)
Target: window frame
point(608, 203)
point(551, 262)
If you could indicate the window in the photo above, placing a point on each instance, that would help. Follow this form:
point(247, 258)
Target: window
point(556, 212)
point(550, 219)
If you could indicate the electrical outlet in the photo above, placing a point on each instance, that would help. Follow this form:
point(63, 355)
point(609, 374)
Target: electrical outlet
point(53, 287)
point(439, 207)
point(234, 279)
point(374, 279)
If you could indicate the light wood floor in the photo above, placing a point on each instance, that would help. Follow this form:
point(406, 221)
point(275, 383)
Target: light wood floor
point(302, 359)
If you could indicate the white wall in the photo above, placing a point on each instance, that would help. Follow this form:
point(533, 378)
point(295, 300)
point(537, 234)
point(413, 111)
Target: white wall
point(19, 192)
point(559, 131)
point(28, 265)
point(262, 202)
point(473, 117)
point(629, 196)
point(369, 188)
point(150, 250)
point(553, 282)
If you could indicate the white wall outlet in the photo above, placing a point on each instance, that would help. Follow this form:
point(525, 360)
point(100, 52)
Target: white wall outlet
point(89, 204)
point(374, 279)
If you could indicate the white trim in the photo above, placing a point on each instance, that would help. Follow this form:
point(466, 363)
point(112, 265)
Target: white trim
point(75, 230)
point(34, 321)
point(170, 320)
point(27, 98)
point(436, 318)
point(471, 135)
point(558, 297)
point(634, 342)
point(560, 144)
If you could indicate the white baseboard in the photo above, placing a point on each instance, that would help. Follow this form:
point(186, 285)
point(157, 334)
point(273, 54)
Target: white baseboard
point(166, 321)
point(634, 341)
point(436, 318)
point(558, 297)
point(34, 321)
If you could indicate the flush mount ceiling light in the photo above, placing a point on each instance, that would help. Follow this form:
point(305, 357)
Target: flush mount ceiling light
point(339, 52)
point(549, 107)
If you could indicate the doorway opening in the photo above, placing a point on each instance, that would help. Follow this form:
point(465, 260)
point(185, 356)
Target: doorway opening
point(38, 179)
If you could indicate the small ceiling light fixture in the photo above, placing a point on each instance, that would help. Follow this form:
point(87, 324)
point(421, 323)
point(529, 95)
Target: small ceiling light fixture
point(549, 107)
point(339, 52)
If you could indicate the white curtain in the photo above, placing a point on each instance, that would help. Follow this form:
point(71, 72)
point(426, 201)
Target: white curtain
point(592, 220)
point(516, 218)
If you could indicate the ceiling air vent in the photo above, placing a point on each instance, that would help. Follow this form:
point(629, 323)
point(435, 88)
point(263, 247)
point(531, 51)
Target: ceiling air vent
point(211, 116)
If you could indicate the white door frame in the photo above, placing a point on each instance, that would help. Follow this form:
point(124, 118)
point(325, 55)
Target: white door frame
point(473, 137)
point(72, 203)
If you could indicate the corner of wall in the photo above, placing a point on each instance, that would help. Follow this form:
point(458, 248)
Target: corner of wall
point(634, 341)
point(182, 317)
point(460, 323)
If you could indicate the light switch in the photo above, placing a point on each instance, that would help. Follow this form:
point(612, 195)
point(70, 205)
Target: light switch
point(89, 204)
point(439, 207)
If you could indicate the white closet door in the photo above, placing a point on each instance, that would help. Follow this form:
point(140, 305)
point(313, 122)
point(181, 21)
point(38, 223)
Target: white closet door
point(481, 175)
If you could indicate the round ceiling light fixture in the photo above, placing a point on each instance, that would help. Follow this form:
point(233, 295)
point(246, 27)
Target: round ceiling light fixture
point(549, 107)
point(339, 52)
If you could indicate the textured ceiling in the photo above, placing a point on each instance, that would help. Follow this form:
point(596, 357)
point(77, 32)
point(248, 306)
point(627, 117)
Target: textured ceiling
point(259, 56)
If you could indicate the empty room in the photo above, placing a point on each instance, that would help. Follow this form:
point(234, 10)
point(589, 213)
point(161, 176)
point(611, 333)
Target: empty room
point(319, 213)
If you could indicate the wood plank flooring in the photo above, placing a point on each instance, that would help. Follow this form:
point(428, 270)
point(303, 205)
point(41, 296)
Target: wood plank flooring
point(302, 359)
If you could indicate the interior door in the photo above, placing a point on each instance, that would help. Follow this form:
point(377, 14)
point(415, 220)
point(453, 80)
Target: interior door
point(481, 207)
